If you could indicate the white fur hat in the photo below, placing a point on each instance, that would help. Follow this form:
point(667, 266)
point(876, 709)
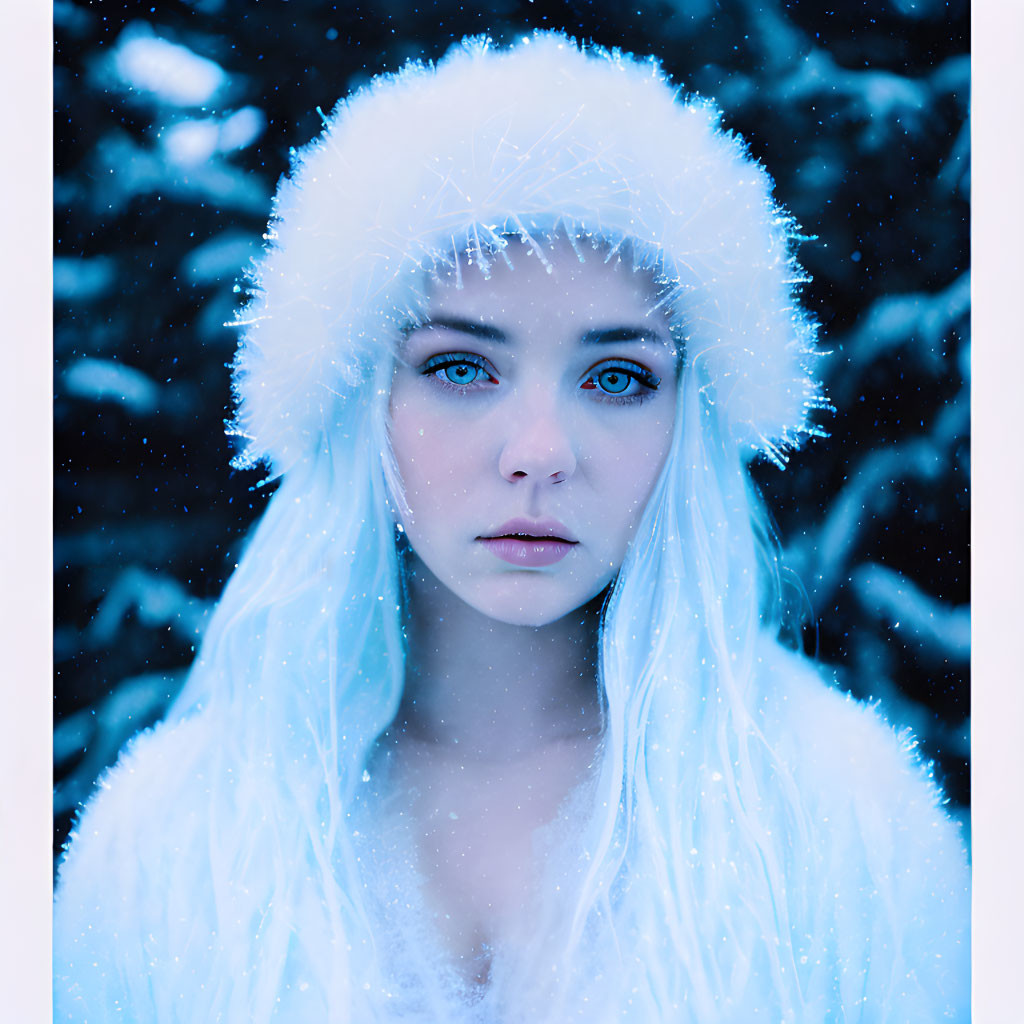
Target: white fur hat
point(543, 136)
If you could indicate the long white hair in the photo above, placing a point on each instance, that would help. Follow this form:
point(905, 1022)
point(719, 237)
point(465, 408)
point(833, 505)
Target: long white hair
point(304, 658)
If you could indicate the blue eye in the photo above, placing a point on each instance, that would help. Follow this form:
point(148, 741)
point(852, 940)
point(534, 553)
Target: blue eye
point(458, 370)
point(460, 373)
point(622, 383)
point(613, 381)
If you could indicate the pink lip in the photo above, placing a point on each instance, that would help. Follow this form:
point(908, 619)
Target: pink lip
point(530, 542)
point(528, 553)
point(544, 528)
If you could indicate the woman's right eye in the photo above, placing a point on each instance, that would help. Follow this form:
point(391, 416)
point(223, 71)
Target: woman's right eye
point(457, 370)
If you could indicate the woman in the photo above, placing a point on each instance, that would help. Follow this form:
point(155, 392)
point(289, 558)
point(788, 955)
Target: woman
point(492, 722)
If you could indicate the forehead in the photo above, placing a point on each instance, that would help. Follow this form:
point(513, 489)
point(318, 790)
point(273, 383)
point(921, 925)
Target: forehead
point(556, 282)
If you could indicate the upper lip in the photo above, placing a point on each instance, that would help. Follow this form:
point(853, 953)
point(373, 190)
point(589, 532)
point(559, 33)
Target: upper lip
point(544, 528)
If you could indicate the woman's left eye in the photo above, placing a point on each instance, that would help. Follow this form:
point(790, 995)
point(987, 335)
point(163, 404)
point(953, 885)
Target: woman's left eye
point(623, 381)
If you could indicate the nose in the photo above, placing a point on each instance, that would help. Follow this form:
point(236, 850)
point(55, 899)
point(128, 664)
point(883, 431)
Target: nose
point(538, 445)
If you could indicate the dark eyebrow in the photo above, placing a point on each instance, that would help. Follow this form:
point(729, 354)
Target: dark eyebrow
point(597, 336)
point(613, 335)
point(478, 330)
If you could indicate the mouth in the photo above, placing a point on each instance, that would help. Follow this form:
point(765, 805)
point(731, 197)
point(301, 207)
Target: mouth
point(530, 543)
point(521, 528)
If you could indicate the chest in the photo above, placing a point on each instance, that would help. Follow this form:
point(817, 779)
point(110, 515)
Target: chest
point(476, 834)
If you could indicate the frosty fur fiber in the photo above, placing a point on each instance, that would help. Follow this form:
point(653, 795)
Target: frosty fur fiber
point(751, 845)
point(423, 165)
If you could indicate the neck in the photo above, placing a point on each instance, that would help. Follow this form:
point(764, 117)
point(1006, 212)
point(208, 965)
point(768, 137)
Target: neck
point(490, 690)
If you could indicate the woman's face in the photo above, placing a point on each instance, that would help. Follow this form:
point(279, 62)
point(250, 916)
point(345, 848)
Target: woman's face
point(530, 418)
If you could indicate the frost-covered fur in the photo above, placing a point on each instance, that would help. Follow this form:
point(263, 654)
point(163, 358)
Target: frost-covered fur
point(876, 895)
point(422, 163)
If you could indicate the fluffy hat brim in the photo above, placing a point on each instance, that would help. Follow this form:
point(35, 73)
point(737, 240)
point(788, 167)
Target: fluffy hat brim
point(420, 162)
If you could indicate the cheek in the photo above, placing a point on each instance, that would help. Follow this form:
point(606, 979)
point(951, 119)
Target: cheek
point(629, 468)
point(434, 457)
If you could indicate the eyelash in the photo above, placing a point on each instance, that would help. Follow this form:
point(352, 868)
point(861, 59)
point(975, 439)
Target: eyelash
point(434, 367)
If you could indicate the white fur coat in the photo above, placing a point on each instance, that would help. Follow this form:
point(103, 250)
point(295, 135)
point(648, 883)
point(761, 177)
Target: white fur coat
point(878, 903)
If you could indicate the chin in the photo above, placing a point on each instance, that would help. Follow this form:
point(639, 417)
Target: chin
point(531, 605)
point(523, 616)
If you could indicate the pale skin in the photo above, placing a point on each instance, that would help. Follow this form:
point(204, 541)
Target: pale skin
point(549, 399)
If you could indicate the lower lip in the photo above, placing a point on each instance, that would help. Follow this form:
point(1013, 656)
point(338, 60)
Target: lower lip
point(527, 553)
